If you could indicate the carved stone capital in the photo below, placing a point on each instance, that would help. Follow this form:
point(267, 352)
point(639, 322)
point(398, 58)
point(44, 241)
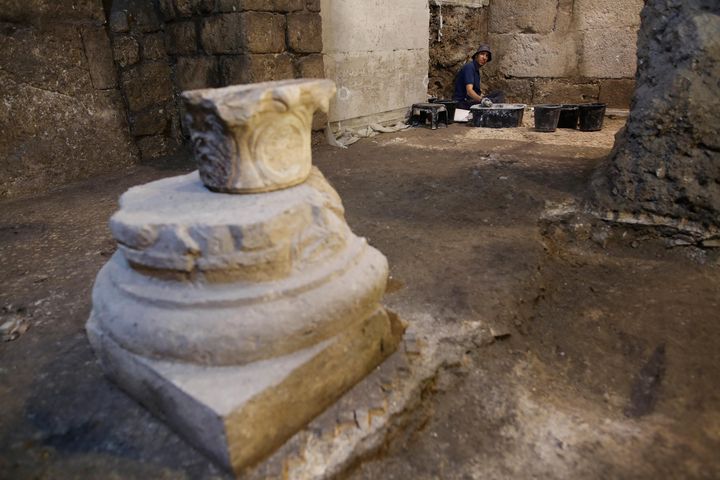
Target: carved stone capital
point(255, 138)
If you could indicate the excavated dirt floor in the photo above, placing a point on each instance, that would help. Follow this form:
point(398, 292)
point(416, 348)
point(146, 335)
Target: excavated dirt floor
point(605, 362)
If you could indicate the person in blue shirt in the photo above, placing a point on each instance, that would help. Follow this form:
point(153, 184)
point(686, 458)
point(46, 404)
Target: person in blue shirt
point(467, 81)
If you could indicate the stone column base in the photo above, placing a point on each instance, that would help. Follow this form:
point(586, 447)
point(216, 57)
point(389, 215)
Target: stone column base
point(239, 414)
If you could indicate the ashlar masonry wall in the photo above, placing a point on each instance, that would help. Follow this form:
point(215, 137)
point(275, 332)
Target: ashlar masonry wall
point(60, 103)
point(544, 50)
point(164, 47)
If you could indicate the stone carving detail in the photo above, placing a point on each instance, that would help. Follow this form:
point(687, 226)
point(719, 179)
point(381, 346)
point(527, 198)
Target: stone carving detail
point(238, 318)
point(255, 138)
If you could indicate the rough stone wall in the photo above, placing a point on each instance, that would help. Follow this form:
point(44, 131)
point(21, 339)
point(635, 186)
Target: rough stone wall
point(164, 47)
point(59, 94)
point(377, 54)
point(545, 51)
point(667, 160)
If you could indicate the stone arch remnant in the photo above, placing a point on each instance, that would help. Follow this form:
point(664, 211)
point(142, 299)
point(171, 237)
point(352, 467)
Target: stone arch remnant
point(665, 167)
point(240, 304)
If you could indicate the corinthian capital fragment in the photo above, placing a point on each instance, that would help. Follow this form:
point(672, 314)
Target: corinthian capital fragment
point(255, 138)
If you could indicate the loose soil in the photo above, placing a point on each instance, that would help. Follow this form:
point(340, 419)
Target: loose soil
point(605, 362)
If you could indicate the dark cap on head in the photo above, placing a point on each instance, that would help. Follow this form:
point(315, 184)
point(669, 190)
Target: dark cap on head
point(483, 48)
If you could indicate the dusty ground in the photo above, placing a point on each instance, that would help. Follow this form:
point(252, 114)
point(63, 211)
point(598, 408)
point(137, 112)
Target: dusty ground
point(606, 363)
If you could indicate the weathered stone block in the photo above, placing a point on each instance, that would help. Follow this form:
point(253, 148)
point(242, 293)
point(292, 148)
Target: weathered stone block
point(153, 121)
point(256, 68)
point(376, 82)
point(52, 58)
point(312, 5)
point(264, 32)
point(146, 85)
point(534, 55)
point(99, 55)
point(601, 14)
point(181, 38)
point(222, 34)
point(517, 90)
point(617, 93)
point(153, 46)
point(156, 146)
point(523, 16)
point(348, 28)
point(564, 20)
point(304, 32)
point(167, 9)
point(143, 17)
point(44, 12)
point(196, 72)
point(126, 50)
point(609, 53)
point(282, 6)
point(561, 91)
point(119, 22)
point(51, 138)
point(311, 66)
point(187, 8)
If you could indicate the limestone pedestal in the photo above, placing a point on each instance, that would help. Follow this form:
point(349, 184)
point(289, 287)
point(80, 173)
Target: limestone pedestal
point(239, 304)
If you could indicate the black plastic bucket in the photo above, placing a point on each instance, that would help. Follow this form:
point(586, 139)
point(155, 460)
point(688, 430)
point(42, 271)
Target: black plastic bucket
point(546, 117)
point(591, 116)
point(568, 116)
point(500, 115)
point(450, 106)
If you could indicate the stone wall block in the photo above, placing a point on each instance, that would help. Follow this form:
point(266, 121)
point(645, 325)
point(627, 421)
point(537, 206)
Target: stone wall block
point(564, 19)
point(311, 66)
point(119, 22)
point(153, 47)
point(42, 13)
point(196, 72)
point(617, 93)
point(563, 91)
point(167, 9)
point(376, 82)
point(534, 55)
point(50, 59)
point(143, 16)
point(256, 68)
point(282, 6)
point(312, 5)
point(156, 146)
point(152, 121)
point(304, 32)
point(126, 50)
point(517, 90)
point(181, 38)
point(222, 34)
point(609, 53)
point(51, 138)
point(383, 26)
point(187, 8)
point(523, 16)
point(601, 14)
point(99, 55)
point(264, 32)
point(146, 85)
